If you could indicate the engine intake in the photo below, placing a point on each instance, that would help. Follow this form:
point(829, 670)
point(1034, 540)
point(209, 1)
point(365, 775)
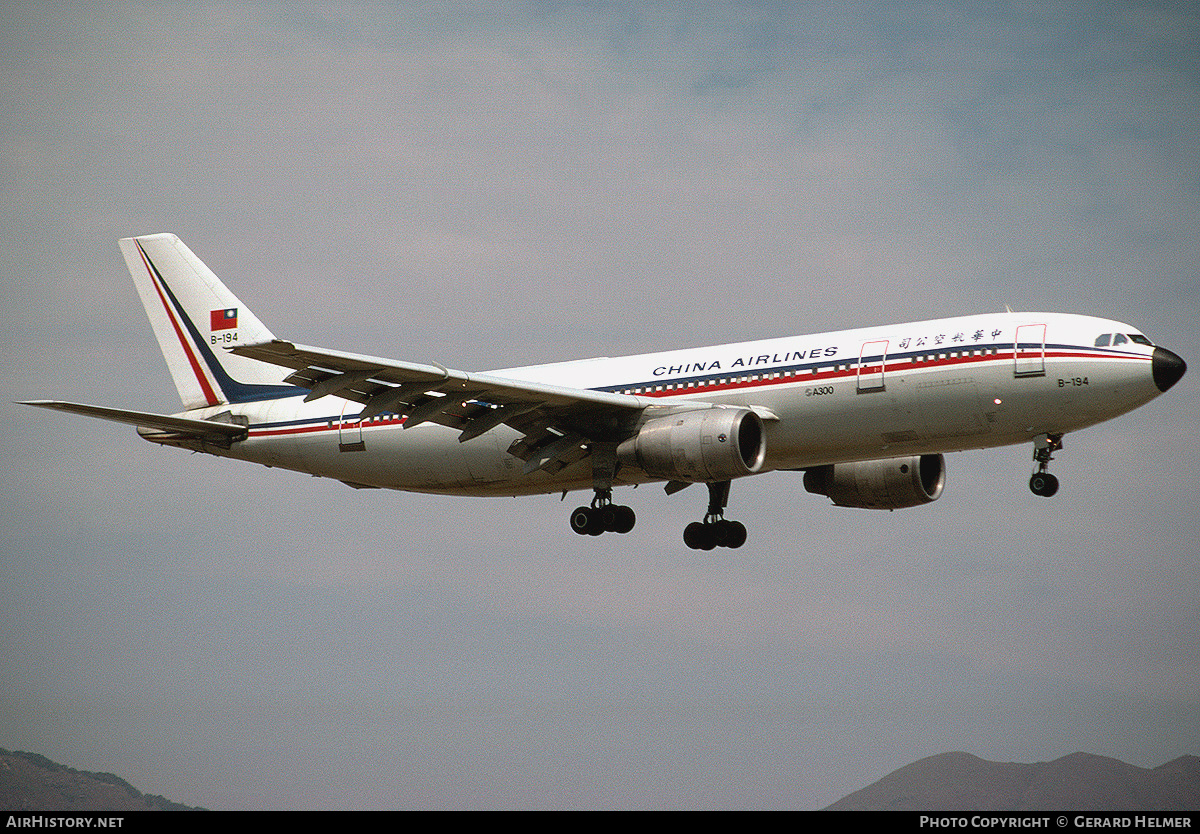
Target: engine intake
point(880, 484)
point(712, 444)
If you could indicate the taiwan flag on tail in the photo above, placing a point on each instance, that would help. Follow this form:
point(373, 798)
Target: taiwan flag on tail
point(223, 319)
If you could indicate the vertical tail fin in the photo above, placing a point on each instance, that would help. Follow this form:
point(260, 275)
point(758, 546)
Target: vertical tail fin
point(195, 317)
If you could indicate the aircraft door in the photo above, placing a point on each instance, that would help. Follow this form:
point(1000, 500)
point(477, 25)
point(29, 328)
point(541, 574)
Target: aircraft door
point(871, 361)
point(350, 437)
point(1029, 350)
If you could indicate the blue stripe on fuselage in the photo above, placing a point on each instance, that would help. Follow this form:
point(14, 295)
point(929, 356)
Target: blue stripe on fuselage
point(234, 391)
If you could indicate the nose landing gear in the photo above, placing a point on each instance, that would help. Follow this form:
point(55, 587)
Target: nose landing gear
point(1042, 482)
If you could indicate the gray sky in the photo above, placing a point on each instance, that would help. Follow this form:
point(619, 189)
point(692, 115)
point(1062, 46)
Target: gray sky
point(493, 185)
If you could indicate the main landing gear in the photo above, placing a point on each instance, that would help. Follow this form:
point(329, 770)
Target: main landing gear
point(1043, 483)
point(603, 516)
point(715, 530)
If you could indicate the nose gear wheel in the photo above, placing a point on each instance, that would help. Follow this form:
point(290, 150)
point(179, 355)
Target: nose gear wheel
point(1042, 482)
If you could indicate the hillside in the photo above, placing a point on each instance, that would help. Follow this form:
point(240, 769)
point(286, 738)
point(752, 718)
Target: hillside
point(1078, 782)
point(29, 782)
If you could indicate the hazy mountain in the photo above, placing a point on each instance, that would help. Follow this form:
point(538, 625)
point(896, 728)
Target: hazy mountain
point(947, 782)
point(1078, 782)
point(29, 782)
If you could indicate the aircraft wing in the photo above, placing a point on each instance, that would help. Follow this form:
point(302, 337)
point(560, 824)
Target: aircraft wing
point(155, 426)
point(556, 421)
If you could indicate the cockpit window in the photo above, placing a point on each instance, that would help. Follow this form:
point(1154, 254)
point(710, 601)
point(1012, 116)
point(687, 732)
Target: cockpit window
point(1105, 339)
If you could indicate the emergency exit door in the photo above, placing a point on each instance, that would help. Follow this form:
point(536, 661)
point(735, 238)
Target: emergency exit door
point(871, 361)
point(1029, 350)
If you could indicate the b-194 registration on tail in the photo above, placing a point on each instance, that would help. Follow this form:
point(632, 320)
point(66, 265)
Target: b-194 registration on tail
point(865, 414)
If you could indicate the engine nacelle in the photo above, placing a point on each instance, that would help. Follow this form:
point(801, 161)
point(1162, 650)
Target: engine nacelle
point(880, 484)
point(711, 444)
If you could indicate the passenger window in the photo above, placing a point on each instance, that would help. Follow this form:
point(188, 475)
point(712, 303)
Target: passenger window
point(1102, 341)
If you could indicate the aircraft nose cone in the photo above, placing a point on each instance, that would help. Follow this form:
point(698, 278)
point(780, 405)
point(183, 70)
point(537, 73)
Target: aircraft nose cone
point(1167, 368)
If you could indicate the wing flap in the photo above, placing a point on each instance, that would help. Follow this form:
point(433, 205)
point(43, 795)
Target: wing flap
point(471, 402)
point(558, 425)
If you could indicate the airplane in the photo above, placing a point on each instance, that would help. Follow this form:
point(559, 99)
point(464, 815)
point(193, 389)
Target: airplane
point(866, 415)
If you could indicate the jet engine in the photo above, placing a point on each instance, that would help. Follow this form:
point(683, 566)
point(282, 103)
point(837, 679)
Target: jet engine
point(880, 484)
point(712, 444)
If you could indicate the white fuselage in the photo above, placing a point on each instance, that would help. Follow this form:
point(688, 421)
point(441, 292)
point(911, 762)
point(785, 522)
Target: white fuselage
point(880, 392)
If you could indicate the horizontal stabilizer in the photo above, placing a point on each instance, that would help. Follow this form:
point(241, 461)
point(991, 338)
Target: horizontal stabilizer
point(179, 427)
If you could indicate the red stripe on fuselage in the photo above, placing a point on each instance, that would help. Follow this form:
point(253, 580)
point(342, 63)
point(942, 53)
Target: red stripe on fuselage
point(797, 378)
point(767, 378)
